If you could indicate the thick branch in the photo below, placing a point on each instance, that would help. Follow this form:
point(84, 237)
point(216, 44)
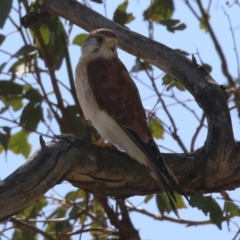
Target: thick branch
point(104, 171)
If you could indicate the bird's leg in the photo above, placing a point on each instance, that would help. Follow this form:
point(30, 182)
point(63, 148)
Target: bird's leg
point(102, 143)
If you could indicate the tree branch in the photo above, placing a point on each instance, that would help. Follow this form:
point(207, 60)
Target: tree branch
point(100, 170)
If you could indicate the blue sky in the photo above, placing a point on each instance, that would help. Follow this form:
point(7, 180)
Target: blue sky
point(191, 40)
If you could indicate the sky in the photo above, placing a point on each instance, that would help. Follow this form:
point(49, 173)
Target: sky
point(191, 40)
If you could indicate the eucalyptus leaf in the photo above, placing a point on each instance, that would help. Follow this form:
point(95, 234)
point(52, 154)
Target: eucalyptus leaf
point(5, 8)
point(79, 39)
point(121, 16)
point(156, 127)
point(171, 82)
point(159, 10)
point(31, 116)
point(2, 38)
point(19, 144)
point(25, 51)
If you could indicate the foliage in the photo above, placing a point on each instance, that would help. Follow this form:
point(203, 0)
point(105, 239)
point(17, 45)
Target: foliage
point(36, 97)
point(120, 15)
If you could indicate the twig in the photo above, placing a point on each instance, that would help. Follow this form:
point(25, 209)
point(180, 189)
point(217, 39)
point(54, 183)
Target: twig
point(217, 45)
point(31, 227)
point(198, 129)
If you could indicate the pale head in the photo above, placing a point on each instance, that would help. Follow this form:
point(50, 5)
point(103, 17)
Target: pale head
point(102, 42)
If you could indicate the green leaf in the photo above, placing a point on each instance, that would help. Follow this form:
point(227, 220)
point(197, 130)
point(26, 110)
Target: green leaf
point(216, 213)
point(54, 36)
point(231, 209)
point(74, 195)
point(17, 234)
point(14, 102)
point(25, 51)
point(19, 67)
point(4, 138)
point(27, 233)
point(33, 95)
point(2, 38)
point(31, 116)
point(164, 206)
point(156, 127)
point(58, 227)
point(171, 82)
point(19, 144)
point(9, 88)
point(50, 230)
point(97, 209)
point(79, 128)
point(162, 203)
point(148, 198)
point(63, 227)
point(22, 65)
point(179, 204)
point(79, 39)
point(121, 16)
point(159, 10)
point(5, 8)
point(172, 25)
point(209, 207)
point(45, 32)
point(169, 22)
point(33, 211)
point(97, 235)
point(203, 24)
point(11, 94)
point(74, 212)
point(141, 66)
point(196, 201)
point(58, 213)
point(180, 27)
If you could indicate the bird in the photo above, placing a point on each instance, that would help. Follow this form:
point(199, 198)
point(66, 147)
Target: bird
point(110, 99)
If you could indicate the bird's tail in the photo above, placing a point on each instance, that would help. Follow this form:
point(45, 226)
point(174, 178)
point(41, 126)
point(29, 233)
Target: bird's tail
point(163, 175)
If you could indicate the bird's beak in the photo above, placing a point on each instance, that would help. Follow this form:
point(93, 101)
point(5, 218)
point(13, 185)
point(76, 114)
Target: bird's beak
point(112, 45)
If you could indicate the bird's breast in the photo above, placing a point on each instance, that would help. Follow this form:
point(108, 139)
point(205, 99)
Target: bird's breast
point(100, 119)
point(84, 92)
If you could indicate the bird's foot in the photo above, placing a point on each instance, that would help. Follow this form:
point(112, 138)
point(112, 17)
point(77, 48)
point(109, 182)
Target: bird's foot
point(102, 143)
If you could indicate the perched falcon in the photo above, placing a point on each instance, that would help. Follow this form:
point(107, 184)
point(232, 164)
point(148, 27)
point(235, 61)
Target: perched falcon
point(110, 100)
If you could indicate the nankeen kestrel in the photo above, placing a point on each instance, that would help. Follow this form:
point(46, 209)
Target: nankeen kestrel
point(110, 99)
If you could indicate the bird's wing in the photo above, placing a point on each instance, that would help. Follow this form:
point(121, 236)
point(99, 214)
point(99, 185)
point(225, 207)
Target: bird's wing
point(116, 93)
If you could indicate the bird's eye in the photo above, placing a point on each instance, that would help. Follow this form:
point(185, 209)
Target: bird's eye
point(100, 39)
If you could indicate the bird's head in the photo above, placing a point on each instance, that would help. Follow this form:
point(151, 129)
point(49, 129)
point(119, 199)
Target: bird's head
point(102, 42)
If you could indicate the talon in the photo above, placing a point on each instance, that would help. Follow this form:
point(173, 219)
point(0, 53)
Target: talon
point(102, 143)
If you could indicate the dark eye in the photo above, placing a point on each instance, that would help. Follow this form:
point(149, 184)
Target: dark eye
point(100, 39)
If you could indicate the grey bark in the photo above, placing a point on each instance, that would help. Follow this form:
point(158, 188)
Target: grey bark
point(212, 168)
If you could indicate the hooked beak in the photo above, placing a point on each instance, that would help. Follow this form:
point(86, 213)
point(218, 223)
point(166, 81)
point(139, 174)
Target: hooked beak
point(112, 47)
point(111, 44)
